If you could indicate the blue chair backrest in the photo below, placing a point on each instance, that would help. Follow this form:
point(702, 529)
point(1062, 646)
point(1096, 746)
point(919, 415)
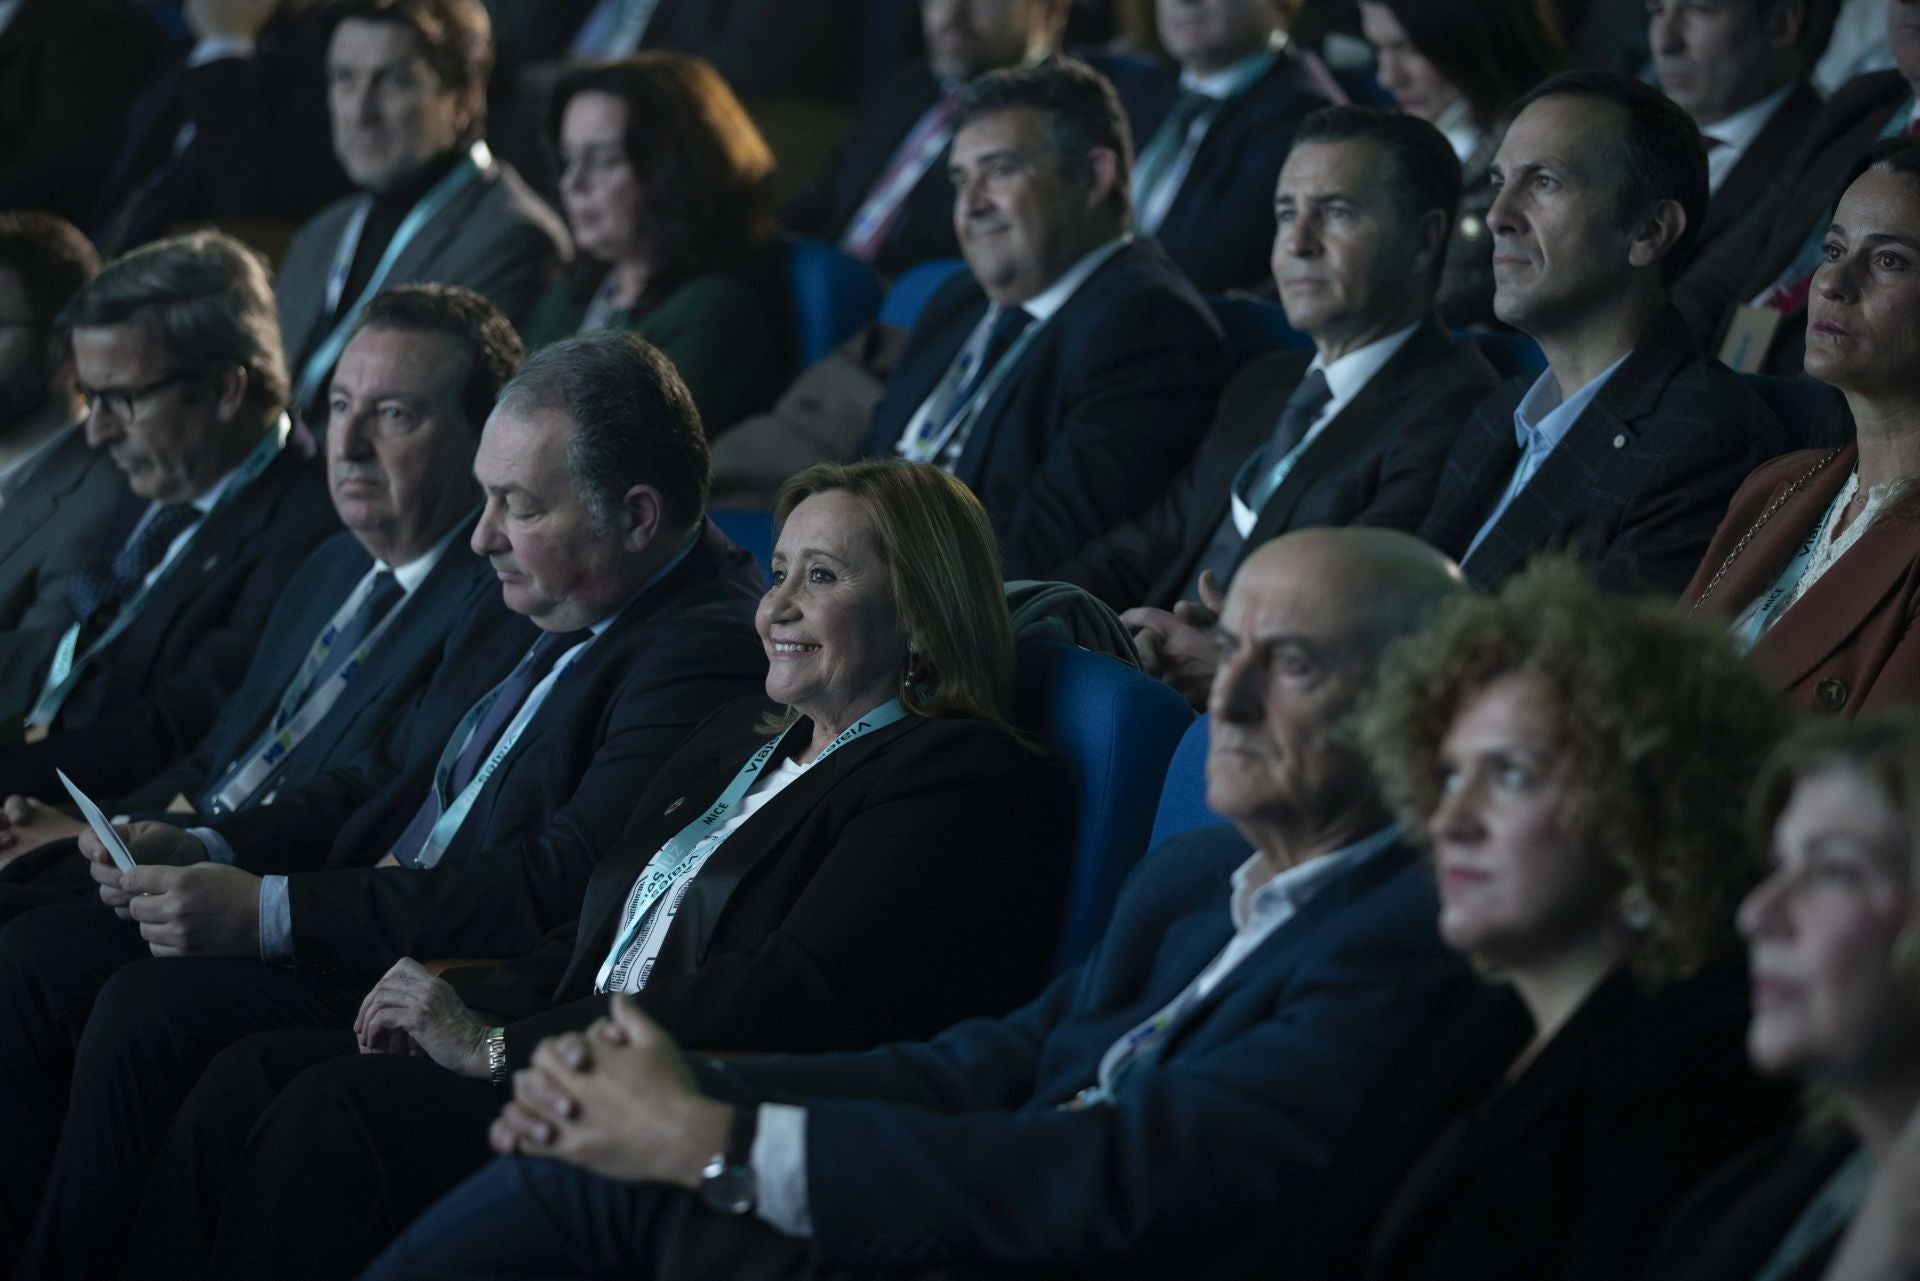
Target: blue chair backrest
point(1806, 407)
point(1255, 326)
point(901, 307)
point(752, 530)
point(1509, 354)
point(1115, 727)
point(832, 293)
point(1183, 798)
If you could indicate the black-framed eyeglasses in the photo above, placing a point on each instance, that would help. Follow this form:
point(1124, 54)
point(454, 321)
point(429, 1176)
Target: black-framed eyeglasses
point(124, 402)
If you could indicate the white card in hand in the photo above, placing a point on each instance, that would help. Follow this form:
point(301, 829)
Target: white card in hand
point(98, 822)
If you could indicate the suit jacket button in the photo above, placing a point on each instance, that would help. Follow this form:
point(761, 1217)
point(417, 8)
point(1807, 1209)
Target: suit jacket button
point(1620, 442)
point(1830, 695)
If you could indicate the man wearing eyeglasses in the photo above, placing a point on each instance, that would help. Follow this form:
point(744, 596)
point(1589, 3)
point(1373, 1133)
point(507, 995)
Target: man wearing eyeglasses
point(56, 495)
point(177, 359)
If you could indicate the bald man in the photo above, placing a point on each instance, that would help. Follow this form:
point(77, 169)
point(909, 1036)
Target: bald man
point(1184, 1085)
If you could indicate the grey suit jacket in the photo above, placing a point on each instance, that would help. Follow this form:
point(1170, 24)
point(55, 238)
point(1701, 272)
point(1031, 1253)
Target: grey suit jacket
point(496, 237)
point(57, 521)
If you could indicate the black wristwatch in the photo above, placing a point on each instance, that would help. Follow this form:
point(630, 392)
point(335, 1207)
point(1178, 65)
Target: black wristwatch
point(727, 1182)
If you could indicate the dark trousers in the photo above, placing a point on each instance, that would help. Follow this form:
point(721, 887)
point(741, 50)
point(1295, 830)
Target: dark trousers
point(54, 873)
point(83, 1002)
point(297, 1156)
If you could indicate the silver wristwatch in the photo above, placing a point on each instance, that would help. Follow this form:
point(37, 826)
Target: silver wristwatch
point(727, 1182)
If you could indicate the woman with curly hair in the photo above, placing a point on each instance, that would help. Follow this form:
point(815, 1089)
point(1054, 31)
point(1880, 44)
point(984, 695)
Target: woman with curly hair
point(1579, 765)
point(1833, 936)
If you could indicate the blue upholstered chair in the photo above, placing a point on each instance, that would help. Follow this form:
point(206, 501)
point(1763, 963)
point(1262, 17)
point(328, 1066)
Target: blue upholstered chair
point(832, 293)
point(1115, 727)
point(1183, 797)
point(751, 529)
point(1806, 407)
point(1255, 326)
point(901, 307)
point(1509, 354)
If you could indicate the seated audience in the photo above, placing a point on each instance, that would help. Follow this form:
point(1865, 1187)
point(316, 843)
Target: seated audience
point(1214, 121)
point(406, 83)
point(1829, 936)
point(884, 195)
point(1817, 562)
point(470, 829)
point(57, 496)
point(1624, 450)
point(1578, 764)
point(1071, 369)
point(1747, 297)
point(358, 630)
point(1461, 65)
point(915, 883)
point(1740, 69)
point(1252, 984)
point(1352, 434)
point(233, 127)
point(667, 188)
point(177, 356)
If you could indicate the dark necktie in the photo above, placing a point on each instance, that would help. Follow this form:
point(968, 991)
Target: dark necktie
point(1168, 141)
point(509, 695)
point(1006, 330)
point(96, 594)
point(385, 595)
point(1257, 479)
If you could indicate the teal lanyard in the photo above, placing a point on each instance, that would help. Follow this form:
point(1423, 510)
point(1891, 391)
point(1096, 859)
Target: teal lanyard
point(683, 853)
point(476, 162)
point(69, 664)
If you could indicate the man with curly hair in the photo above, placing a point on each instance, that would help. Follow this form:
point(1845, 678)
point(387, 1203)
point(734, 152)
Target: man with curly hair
point(1257, 982)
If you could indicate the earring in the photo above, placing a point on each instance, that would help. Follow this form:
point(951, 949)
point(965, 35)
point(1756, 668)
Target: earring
point(919, 677)
point(1636, 908)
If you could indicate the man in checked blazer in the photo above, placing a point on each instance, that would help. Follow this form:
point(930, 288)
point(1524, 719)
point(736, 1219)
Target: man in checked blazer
point(1627, 448)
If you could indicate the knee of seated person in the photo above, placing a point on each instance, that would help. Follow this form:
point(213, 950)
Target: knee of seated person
point(132, 1003)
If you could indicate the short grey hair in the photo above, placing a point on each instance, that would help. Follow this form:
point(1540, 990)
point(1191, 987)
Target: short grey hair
point(634, 423)
point(205, 298)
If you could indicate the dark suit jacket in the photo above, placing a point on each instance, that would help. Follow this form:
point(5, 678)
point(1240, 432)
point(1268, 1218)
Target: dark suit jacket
point(1850, 644)
point(496, 237)
point(957, 1149)
point(68, 69)
point(59, 521)
point(1743, 194)
point(1375, 463)
point(461, 586)
point(519, 863)
point(1110, 399)
point(1219, 229)
point(1739, 265)
point(1731, 1225)
point(157, 690)
point(924, 230)
point(262, 143)
point(813, 926)
point(1635, 487)
point(1570, 1170)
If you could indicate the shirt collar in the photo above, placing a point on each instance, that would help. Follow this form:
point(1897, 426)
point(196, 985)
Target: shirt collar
point(1543, 419)
point(1232, 78)
point(415, 571)
point(1351, 372)
point(14, 474)
point(1462, 134)
point(1292, 889)
point(1051, 299)
point(1739, 129)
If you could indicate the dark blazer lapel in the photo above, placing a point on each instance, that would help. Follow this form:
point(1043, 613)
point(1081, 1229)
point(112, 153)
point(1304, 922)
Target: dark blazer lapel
point(1298, 933)
point(1478, 470)
point(1347, 433)
point(1759, 165)
point(245, 517)
point(35, 502)
point(708, 893)
point(416, 259)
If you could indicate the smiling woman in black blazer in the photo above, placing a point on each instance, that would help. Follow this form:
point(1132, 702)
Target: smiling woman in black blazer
point(1579, 764)
point(875, 861)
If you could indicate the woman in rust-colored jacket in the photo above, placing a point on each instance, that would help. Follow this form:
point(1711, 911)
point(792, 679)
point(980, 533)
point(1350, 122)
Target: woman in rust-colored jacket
point(1817, 564)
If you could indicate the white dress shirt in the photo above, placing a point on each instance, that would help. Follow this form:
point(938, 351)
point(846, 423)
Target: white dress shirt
point(1736, 133)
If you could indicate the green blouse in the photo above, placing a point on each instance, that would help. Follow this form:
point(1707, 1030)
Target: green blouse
point(716, 329)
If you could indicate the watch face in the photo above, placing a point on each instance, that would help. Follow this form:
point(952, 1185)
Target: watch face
point(728, 1188)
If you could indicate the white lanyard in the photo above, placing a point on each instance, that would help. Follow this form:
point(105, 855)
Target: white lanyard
point(453, 813)
point(935, 414)
point(294, 719)
point(466, 171)
point(69, 664)
point(680, 859)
